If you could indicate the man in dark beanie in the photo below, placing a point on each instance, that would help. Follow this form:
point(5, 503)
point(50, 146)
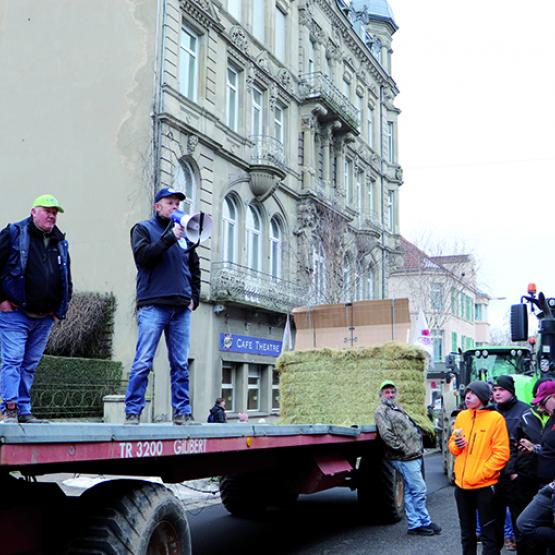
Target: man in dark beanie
point(516, 485)
point(481, 444)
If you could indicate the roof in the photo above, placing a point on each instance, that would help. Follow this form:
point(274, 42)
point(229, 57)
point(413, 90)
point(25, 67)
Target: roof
point(377, 9)
point(451, 259)
point(415, 259)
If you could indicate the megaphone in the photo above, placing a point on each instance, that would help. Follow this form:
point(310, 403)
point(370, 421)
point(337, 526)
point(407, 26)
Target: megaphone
point(198, 226)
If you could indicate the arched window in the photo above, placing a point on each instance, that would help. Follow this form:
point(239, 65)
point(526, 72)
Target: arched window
point(185, 182)
point(229, 231)
point(253, 239)
point(276, 256)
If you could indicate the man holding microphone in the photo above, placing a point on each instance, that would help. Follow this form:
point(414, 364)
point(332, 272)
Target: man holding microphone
point(168, 290)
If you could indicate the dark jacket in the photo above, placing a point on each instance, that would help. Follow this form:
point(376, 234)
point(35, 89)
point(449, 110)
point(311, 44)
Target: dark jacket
point(532, 427)
point(401, 436)
point(217, 414)
point(167, 274)
point(35, 269)
point(546, 456)
point(512, 412)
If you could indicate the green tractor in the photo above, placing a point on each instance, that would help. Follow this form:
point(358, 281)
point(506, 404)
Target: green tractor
point(482, 363)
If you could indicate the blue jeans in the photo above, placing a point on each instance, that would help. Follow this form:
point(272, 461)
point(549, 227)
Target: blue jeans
point(415, 492)
point(22, 343)
point(175, 323)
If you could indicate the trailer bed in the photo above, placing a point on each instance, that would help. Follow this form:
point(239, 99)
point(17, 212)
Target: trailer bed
point(173, 452)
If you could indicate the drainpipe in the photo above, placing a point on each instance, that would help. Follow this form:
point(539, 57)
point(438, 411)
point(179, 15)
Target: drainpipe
point(157, 109)
point(158, 104)
point(382, 191)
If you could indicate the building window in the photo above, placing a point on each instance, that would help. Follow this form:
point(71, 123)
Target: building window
point(280, 31)
point(390, 208)
point(311, 58)
point(253, 393)
point(234, 8)
point(188, 63)
point(390, 142)
point(376, 49)
point(454, 345)
point(184, 181)
point(275, 390)
point(229, 373)
point(319, 275)
point(360, 100)
point(371, 200)
point(348, 180)
point(358, 191)
point(279, 132)
point(347, 279)
point(454, 302)
point(253, 239)
point(257, 123)
point(370, 126)
point(480, 312)
point(232, 97)
point(437, 343)
point(346, 88)
point(259, 20)
point(229, 233)
point(370, 283)
point(436, 296)
point(276, 245)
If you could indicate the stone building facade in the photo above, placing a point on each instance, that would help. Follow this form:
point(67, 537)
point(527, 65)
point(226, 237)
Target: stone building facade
point(276, 117)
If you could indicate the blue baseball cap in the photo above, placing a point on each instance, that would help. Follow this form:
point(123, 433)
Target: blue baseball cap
point(168, 192)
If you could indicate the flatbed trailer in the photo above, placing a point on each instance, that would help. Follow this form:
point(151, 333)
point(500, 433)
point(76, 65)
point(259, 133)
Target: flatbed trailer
point(259, 466)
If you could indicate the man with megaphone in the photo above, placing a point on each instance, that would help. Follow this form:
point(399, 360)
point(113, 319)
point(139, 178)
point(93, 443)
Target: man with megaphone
point(168, 290)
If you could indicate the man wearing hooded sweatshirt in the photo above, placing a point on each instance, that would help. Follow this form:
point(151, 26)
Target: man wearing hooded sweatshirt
point(404, 450)
point(480, 443)
point(514, 489)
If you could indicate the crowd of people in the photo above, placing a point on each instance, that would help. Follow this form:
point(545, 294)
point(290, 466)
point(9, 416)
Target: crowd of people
point(504, 470)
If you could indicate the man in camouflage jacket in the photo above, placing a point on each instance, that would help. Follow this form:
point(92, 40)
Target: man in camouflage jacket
point(404, 449)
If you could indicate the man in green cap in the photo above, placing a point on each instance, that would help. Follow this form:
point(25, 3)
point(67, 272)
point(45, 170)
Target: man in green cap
point(35, 289)
point(404, 450)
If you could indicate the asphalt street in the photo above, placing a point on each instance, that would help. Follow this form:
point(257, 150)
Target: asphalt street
point(327, 523)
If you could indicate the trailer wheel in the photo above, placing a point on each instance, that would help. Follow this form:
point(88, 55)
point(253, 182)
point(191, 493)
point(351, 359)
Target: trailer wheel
point(129, 517)
point(380, 491)
point(241, 495)
point(448, 458)
point(247, 495)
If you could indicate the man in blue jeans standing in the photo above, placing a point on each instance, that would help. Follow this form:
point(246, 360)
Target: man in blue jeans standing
point(168, 290)
point(404, 450)
point(35, 289)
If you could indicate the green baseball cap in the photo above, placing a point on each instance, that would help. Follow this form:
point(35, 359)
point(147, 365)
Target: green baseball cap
point(387, 383)
point(47, 201)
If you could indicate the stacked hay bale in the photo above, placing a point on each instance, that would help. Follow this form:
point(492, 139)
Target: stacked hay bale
point(340, 386)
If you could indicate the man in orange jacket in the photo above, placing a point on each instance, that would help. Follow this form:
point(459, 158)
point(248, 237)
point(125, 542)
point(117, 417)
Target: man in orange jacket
point(481, 444)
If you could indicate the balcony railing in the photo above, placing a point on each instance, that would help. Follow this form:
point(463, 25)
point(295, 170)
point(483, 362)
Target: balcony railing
point(235, 283)
point(318, 85)
point(267, 151)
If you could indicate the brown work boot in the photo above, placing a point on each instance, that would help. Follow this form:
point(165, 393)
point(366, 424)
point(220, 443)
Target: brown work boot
point(31, 419)
point(10, 413)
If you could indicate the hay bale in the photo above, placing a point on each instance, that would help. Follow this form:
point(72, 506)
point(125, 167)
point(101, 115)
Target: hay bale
point(340, 386)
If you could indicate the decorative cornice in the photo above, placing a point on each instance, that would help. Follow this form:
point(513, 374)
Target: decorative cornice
point(203, 13)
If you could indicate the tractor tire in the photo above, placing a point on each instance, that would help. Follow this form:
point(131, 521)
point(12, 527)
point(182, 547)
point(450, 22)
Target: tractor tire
point(248, 495)
point(380, 491)
point(130, 517)
point(448, 458)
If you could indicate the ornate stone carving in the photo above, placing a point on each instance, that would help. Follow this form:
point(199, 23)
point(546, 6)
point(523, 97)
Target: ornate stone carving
point(249, 81)
point(192, 142)
point(284, 77)
point(263, 63)
point(273, 96)
point(239, 38)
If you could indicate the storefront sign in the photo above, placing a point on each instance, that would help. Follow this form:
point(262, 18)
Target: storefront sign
point(252, 345)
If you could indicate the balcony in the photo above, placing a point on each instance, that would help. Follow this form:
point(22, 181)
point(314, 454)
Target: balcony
point(317, 86)
point(238, 284)
point(267, 164)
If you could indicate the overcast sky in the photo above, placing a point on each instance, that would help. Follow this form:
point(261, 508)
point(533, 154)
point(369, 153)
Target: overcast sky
point(476, 134)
